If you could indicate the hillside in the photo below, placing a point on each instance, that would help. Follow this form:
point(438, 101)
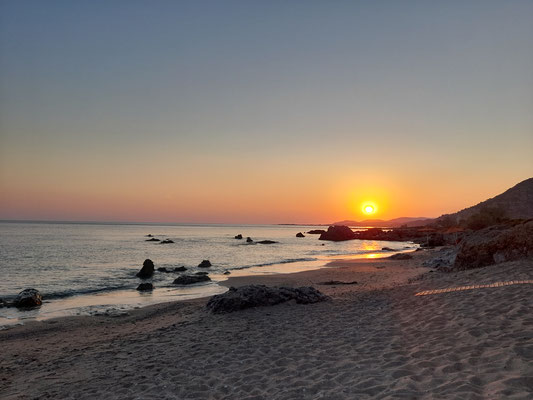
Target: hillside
point(391, 223)
point(515, 203)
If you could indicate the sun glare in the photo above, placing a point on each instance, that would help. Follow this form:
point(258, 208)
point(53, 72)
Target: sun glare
point(369, 209)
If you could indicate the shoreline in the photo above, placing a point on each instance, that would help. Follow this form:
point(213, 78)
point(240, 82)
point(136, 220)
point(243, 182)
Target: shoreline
point(372, 339)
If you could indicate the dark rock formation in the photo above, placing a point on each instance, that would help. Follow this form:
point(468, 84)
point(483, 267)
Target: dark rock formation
point(400, 256)
point(259, 295)
point(267, 242)
point(249, 240)
point(495, 245)
point(166, 241)
point(149, 235)
point(338, 283)
point(180, 269)
point(163, 269)
point(204, 264)
point(338, 233)
point(145, 286)
point(300, 234)
point(316, 231)
point(201, 273)
point(147, 270)
point(190, 279)
point(28, 298)
point(153, 240)
point(239, 236)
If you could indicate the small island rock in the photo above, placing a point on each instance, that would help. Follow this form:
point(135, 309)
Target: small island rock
point(147, 270)
point(239, 236)
point(204, 264)
point(300, 234)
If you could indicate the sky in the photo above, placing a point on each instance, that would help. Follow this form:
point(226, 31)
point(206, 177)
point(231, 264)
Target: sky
point(261, 111)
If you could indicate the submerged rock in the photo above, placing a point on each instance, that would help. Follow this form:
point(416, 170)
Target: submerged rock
point(400, 256)
point(338, 233)
point(163, 269)
point(190, 279)
point(267, 242)
point(28, 298)
point(249, 240)
point(147, 270)
point(259, 295)
point(166, 241)
point(180, 269)
point(145, 286)
point(149, 235)
point(300, 234)
point(205, 264)
point(202, 273)
point(239, 236)
point(153, 240)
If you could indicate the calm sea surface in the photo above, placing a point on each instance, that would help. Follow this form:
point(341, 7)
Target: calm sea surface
point(90, 268)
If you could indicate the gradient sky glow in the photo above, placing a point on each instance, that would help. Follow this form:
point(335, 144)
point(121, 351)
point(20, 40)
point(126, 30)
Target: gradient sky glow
point(261, 111)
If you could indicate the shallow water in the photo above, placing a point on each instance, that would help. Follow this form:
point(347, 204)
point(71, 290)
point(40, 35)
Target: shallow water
point(89, 268)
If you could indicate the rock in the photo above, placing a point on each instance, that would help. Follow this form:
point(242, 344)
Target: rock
point(338, 233)
point(300, 234)
point(387, 249)
point(149, 235)
point(316, 231)
point(227, 272)
point(400, 256)
point(338, 283)
point(249, 240)
point(153, 240)
point(190, 279)
point(145, 286)
point(147, 270)
point(267, 242)
point(163, 269)
point(259, 295)
point(494, 245)
point(180, 269)
point(204, 264)
point(201, 273)
point(166, 241)
point(239, 236)
point(28, 298)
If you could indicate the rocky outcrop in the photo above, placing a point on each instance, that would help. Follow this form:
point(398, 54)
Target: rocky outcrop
point(147, 270)
point(249, 240)
point(400, 256)
point(166, 241)
point(28, 298)
point(316, 231)
point(239, 236)
point(153, 240)
point(495, 245)
point(338, 234)
point(300, 235)
point(191, 279)
point(145, 287)
point(204, 264)
point(259, 295)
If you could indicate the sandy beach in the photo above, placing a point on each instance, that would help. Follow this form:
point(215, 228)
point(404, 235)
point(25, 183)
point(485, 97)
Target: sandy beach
point(373, 339)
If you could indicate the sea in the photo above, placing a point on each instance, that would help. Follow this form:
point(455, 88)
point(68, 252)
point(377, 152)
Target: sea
point(89, 268)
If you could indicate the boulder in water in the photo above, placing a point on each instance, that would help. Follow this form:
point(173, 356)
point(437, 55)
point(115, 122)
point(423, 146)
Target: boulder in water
point(28, 298)
point(147, 270)
point(153, 240)
point(338, 233)
point(204, 264)
point(190, 279)
point(249, 240)
point(267, 242)
point(145, 286)
point(166, 241)
point(180, 269)
point(259, 295)
point(300, 234)
point(239, 236)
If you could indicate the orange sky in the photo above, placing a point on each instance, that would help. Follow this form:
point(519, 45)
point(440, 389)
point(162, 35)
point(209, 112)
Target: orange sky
point(267, 112)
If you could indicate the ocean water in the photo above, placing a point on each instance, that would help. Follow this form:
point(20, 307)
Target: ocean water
point(85, 268)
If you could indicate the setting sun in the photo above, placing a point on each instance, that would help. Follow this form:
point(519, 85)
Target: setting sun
point(369, 209)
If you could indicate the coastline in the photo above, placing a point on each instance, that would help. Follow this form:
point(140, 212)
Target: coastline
point(373, 339)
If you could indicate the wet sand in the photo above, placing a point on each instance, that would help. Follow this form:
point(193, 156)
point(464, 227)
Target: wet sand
point(374, 339)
